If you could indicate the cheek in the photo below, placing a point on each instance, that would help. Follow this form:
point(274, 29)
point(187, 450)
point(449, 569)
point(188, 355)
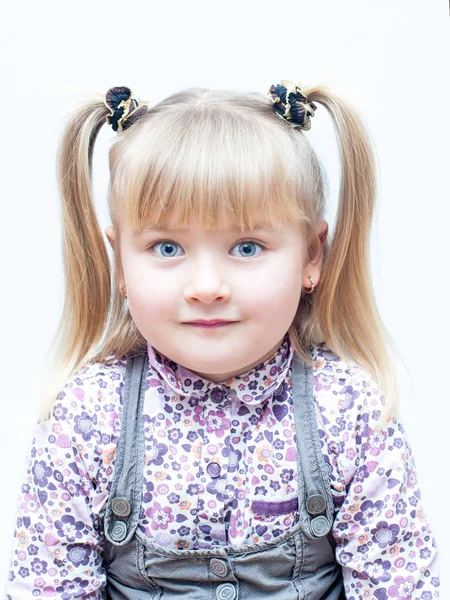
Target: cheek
point(151, 309)
point(278, 291)
point(150, 293)
point(152, 299)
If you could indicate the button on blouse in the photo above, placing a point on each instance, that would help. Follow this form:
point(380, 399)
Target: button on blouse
point(384, 541)
point(217, 451)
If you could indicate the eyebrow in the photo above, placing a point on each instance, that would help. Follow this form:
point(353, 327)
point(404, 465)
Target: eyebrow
point(154, 227)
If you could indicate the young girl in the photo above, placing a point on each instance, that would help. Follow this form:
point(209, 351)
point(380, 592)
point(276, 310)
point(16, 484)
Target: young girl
point(224, 421)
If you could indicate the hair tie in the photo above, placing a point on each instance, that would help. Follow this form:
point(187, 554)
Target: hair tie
point(125, 110)
point(291, 104)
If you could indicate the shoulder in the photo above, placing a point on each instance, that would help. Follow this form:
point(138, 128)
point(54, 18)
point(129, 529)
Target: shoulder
point(344, 387)
point(86, 419)
point(349, 404)
point(95, 383)
point(91, 400)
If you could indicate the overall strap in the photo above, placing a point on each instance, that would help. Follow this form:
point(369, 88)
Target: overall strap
point(315, 501)
point(124, 504)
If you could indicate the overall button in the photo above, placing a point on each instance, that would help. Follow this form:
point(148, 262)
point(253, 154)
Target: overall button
point(218, 567)
point(315, 504)
point(118, 531)
point(213, 469)
point(217, 395)
point(225, 591)
point(320, 526)
point(121, 507)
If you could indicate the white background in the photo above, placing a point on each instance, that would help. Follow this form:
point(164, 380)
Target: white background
point(390, 59)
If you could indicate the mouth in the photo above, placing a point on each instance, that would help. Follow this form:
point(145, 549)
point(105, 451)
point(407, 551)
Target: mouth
point(213, 324)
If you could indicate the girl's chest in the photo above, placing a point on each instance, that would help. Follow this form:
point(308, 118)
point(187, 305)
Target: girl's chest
point(218, 473)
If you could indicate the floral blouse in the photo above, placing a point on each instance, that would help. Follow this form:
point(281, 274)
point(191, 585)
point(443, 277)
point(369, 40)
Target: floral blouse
point(212, 451)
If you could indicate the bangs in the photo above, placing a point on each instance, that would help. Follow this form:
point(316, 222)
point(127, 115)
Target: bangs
point(212, 166)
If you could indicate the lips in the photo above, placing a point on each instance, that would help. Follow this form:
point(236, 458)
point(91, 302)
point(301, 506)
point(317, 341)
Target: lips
point(205, 322)
point(209, 324)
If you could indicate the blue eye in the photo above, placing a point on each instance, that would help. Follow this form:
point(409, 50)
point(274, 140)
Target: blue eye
point(170, 248)
point(248, 247)
point(167, 246)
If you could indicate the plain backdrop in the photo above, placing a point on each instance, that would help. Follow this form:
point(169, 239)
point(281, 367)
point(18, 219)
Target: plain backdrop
point(389, 59)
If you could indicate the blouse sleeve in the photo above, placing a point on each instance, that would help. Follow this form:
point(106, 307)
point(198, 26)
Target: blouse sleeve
point(57, 546)
point(384, 541)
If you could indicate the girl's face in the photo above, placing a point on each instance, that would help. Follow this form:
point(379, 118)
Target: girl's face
point(253, 279)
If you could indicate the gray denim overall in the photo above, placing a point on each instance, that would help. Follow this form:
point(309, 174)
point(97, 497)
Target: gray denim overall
point(298, 564)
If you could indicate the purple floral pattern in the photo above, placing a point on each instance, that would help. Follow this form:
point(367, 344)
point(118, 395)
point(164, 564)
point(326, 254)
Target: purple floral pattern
point(213, 453)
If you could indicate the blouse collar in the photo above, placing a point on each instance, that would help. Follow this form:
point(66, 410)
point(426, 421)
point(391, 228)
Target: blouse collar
point(252, 387)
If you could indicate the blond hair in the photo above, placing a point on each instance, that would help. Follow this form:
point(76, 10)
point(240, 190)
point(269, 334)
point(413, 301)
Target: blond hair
point(197, 156)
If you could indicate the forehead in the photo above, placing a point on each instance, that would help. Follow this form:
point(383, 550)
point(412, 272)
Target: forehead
point(259, 226)
point(196, 231)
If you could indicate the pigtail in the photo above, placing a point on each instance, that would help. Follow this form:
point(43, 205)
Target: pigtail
point(345, 306)
point(341, 311)
point(85, 259)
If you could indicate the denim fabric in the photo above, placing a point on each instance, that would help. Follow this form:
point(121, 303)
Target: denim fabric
point(297, 565)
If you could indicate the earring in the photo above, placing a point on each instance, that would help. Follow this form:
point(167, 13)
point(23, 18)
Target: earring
point(122, 290)
point(311, 289)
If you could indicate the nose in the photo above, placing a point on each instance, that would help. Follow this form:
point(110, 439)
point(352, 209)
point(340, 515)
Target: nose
point(206, 283)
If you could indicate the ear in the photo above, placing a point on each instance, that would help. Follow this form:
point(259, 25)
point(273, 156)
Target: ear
point(314, 265)
point(111, 235)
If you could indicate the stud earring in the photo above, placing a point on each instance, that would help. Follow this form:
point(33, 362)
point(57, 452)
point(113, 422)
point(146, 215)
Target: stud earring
point(123, 291)
point(311, 289)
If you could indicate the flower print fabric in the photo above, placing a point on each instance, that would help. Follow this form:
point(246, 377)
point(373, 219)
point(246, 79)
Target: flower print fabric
point(215, 452)
point(220, 469)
